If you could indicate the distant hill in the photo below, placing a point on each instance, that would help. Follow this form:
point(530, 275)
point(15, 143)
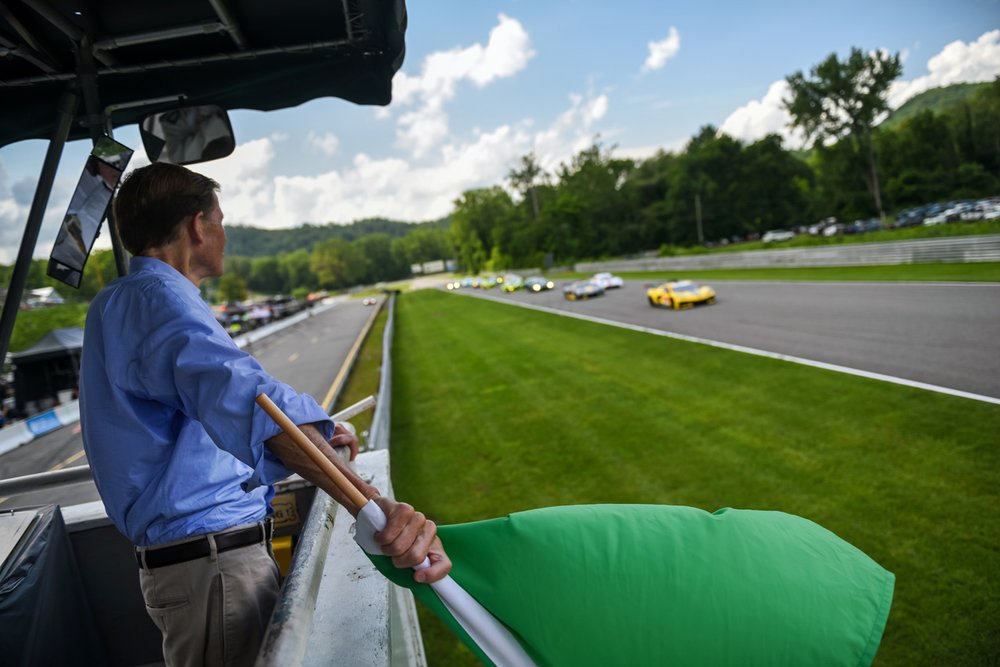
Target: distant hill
point(937, 100)
point(248, 241)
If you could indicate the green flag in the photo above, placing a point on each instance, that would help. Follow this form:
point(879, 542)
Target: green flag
point(664, 585)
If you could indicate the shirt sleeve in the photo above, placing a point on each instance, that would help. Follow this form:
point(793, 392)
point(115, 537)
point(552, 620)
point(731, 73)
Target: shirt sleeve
point(189, 363)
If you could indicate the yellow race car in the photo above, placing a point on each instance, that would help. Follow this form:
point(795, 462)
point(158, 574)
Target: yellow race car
point(679, 294)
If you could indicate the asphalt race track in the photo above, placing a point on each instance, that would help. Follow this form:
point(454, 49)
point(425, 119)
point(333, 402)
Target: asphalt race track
point(945, 334)
point(307, 356)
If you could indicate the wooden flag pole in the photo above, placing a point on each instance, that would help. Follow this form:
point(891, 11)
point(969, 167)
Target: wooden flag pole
point(312, 451)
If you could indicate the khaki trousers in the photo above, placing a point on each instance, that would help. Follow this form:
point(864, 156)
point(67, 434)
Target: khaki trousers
point(213, 610)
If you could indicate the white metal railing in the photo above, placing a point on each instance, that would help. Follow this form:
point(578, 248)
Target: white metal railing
point(380, 429)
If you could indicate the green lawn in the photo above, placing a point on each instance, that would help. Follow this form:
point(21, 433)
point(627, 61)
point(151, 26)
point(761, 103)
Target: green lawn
point(364, 377)
point(498, 409)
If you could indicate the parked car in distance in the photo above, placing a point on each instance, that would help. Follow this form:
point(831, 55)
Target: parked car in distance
point(775, 235)
point(511, 283)
point(817, 228)
point(679, 294)
point(608, 281)
point(538, 284)
point(582, 289)
point(862, 226)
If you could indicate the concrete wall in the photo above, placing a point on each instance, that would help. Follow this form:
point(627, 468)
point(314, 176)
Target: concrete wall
point(921, 251)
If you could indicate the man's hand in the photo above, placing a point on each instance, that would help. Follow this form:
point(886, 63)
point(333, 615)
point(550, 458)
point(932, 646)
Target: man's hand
point(409, 537)
point(344, 438)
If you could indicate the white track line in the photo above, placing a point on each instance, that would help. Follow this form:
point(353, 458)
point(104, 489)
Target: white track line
point(750, 350)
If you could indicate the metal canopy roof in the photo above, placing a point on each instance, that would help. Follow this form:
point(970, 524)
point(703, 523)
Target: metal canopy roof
point(238, 54)
point(55, 343)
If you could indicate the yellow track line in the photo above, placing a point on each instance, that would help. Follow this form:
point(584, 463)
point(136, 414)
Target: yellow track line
point(75, 457)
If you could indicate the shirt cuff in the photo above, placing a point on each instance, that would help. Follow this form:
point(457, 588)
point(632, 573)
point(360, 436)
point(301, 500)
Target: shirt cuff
point(301, 409)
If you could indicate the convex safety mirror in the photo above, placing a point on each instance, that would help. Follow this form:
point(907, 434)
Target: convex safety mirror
point(187, 135)
point(87, 208)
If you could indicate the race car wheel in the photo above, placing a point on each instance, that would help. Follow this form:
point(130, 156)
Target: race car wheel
point(711, 301)
point(652, 301)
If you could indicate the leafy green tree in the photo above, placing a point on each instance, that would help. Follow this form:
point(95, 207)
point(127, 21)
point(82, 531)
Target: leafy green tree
point(266, 276)
point(379, 262)
point(524, 181)
point(649, 184)
point(839, 191)
point(602, 208)
point(705, 195)
point(331, 263)
point(561, 219)
point(232, 287)
point(844, 100)
point(477, 213)
point(239, 266)
point(981, 116)
point(772, 191)
point(917, 159)
point(425, 244)
point(296, 269)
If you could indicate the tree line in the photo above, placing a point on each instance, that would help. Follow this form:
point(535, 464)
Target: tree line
point(720, 189)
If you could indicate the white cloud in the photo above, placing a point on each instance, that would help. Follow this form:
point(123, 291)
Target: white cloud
point(571, 132)
point(506, 53)
point(327, 143)
point(646, 152)
point(662, 51)
point(958, 62)
point(394, 187)
point(12, 219)
point(758, 118)
point(420, 131)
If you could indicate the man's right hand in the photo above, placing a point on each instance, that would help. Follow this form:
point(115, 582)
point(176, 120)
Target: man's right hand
point(408, 538)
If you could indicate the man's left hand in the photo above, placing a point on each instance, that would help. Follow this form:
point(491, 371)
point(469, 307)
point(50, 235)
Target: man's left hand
point(344, 438)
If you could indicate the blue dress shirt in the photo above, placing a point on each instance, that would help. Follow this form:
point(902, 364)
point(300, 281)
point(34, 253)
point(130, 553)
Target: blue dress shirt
point(173, 435)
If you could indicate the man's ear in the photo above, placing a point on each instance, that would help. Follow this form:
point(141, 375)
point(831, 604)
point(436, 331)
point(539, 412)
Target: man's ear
point(192, 224)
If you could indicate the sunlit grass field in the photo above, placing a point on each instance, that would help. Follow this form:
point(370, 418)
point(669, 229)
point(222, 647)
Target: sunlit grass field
point(498, 409)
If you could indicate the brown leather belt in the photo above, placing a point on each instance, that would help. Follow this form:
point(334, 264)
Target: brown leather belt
point(199, 548)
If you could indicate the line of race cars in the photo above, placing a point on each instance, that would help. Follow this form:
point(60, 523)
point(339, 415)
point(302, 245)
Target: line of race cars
point(675, 294)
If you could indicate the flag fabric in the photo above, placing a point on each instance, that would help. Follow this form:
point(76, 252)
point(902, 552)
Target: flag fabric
point(666, 585)
point(493, 641)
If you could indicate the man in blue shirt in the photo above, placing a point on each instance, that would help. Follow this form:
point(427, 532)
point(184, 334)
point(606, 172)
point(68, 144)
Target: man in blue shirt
point(183, 457)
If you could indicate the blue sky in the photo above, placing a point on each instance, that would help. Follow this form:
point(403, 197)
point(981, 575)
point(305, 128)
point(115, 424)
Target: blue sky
point(484, 83)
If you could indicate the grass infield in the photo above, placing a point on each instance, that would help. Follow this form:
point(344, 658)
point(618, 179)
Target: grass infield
point(498, 409)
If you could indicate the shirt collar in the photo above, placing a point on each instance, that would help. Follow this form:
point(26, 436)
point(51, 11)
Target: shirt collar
point(159, 268)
